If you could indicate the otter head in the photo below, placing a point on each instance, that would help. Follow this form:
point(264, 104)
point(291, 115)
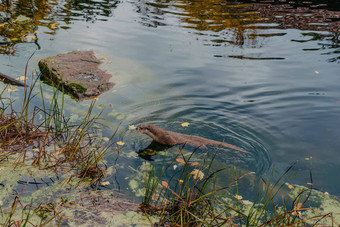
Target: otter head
point(148, 129)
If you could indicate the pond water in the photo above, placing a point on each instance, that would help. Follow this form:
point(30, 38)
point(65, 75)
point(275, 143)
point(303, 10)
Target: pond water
point(264, 76)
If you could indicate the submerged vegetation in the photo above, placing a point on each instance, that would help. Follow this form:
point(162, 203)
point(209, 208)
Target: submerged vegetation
point(194, 198)
point(42, 137)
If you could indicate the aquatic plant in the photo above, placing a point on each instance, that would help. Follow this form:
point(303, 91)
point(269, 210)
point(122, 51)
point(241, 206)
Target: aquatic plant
point(193, 198)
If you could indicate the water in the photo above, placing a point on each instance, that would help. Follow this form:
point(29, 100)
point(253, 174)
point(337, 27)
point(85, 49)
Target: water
point(262, 76)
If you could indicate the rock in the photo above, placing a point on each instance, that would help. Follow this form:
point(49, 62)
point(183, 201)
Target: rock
point(76, 73)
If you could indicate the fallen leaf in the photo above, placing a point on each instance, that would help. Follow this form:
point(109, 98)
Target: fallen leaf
point(104, 183)
point(185, 124)
point(239, 197)
point(101, 106)
point(120, 143)
point(12, 89)
point(17, 223)
point(132, 127)
point(194, 164)
point(180, 160)
point(22, 78)
point(197, 174)
point(95, 98)
point(180, 181)
point(104, 58)
point(105, 138)
point(175, 167)
point(165, 184)
point(30, 38)
point(290, 186)
point(53, 26)
point(80, 129)
point(316, 72)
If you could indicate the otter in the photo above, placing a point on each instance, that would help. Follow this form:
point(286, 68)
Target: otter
point(170, 138)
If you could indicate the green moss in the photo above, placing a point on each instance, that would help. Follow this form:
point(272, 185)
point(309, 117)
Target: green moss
point(78, 87)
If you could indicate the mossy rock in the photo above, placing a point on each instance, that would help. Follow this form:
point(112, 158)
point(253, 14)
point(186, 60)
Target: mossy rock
point(76, 73)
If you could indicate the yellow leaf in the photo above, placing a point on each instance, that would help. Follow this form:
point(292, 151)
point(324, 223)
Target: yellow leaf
point(12, 89)
point(194, 164)
point(290, 186)
point(132, 127)
point(15, 39)
point(197, 174)
point(180, 181)
point(185, 124)
point(80, 129)
point(120, 143)
point(54, 26)
point(105, 139)
point(95, 98)
point(180, 160)
point(22, 78)
point(165, 184)
point(104, 58)
point(239, 197)
point(104, 183)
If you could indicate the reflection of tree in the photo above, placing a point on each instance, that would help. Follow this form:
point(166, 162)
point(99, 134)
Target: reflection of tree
point(20, 19)
point(205, 15)
point(244, 22)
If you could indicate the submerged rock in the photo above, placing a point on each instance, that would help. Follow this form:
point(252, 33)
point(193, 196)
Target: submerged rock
point(76, 73)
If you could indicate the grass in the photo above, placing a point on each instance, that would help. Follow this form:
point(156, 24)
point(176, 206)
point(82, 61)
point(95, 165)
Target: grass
point(193, 198)
point(49, 143)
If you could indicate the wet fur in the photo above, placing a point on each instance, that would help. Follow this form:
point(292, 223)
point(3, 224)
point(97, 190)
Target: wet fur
point(170, 138)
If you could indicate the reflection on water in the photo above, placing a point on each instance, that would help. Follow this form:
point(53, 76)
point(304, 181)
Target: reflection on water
point(247, 23)
point(21, 21)
point(262, 75)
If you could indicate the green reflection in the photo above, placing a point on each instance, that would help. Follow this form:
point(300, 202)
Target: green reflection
point(22, 20)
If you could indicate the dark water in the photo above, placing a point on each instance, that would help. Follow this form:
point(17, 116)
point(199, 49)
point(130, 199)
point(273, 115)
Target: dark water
point(263, 75)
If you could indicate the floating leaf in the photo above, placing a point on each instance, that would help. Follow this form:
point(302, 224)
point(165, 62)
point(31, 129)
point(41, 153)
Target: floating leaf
point(180, 181)
point(180, 160)
point(239, 197)
point(104, 58)
point(197, 174)
point(12, 89)
point(22, 19)
point(80, 129)
point(175, 167)
point(165, 184)
point(132, 127)
point(120, 143)
point(95, 98)
point(194, 164)
point(53, 26)
point(316, 72)
point(22, 78)
point(106, 138)
point(185, 124)
point(104, 183)
point(290, 186)
point(101, 106)
point(30, 38)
